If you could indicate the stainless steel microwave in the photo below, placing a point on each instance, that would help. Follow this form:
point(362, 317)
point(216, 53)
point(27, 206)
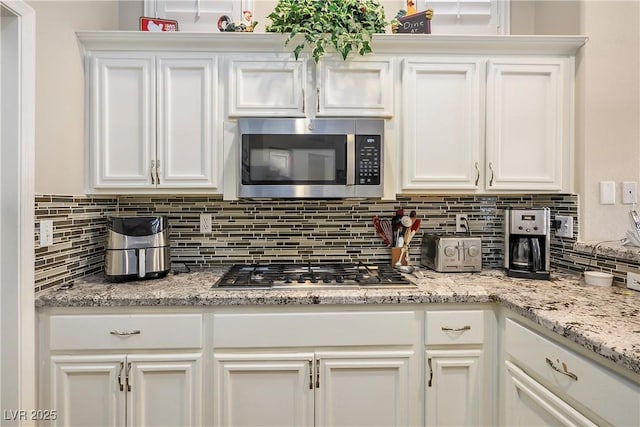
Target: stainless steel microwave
point(311, 158)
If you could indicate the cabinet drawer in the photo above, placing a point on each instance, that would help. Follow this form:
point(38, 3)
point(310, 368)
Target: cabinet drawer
point(454, 327)
point(315, 329)
point(114, 332)
point(607, 394)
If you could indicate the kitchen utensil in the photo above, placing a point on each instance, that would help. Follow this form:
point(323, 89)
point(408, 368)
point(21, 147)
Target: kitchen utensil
point(380, 230)
point(405, 269)
point(387, 229)
point(636, 220)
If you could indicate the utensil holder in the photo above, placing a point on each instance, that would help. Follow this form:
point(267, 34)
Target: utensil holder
point(395, 256)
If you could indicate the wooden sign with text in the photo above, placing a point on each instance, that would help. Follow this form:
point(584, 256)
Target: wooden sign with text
point(418, 23)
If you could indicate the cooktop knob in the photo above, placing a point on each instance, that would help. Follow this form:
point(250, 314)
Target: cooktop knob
point(473, 250)
point(449, 250)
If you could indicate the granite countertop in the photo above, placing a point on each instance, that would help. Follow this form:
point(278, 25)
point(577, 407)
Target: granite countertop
point(603, 320)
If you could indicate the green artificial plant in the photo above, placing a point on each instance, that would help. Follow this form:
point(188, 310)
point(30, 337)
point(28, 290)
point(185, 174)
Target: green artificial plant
point(347, 25)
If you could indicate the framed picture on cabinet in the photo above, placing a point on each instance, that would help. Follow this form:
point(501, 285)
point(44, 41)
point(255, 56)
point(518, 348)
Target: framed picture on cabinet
point(202, 15)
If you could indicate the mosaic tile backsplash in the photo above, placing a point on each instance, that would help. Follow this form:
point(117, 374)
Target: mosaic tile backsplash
point(280, 230)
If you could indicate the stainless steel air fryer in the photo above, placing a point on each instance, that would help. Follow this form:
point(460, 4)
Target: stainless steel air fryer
point(137, 248)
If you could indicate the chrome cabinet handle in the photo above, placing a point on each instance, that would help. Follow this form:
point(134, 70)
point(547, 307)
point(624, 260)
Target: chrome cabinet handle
point(153, 180)
point(317, 100)
point(120, 376)
point(310, 374)
point(128, 378)
point(477, 174)
point(304, 102)
point(491, 169)
point(563, 371)
point(317, 373)
point(430, 382)
point(464, 328)
point(158, 172)
point(124, 333)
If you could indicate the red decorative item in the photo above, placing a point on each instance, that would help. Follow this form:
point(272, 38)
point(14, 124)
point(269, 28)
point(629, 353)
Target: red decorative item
point(157, 24)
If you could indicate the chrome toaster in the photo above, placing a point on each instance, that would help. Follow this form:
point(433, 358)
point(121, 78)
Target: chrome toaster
point(449, 254)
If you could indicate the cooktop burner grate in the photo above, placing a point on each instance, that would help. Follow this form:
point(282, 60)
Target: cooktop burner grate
point(311, 276)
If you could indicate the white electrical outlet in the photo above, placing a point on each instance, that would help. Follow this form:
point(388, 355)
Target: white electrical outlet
point(629, 192)
point(565, 229)
point(462, 222)
point(46, 233)
point(633, 281)
point(205, 223)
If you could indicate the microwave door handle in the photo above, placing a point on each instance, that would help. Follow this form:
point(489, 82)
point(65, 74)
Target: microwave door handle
point(351, 159)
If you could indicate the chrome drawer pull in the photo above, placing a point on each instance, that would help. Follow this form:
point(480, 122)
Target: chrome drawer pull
point(563, 371)
point(464, 328)
point(124, 333)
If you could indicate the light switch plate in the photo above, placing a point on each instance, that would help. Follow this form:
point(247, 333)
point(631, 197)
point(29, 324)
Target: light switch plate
point(607, 192)
point(46, 233)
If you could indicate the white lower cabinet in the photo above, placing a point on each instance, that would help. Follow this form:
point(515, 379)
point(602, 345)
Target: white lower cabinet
point(458, 374)
point(453, 396)
point(85, 390)
point(138, 370)
point(132, 390)
point(317, 368)
point(263, 389)
point(547, 383)
point(324, 366)
point(528, 403)
point(364, 388)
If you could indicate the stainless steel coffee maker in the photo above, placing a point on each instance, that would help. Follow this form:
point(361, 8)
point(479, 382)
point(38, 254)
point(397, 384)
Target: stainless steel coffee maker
point(527, 235)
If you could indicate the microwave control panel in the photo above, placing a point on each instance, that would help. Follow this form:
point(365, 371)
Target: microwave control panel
point(368, 159)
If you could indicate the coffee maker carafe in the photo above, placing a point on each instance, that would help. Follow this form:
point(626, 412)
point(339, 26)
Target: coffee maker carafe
point(527, 243)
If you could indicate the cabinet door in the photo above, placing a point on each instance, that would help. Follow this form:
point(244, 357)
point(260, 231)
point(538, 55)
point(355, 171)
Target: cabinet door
point(455, 393)
point(365, 389)
point(164, 390)
point(122, 121)
point(528, 403)
point(187, 156)
point(358, 87)
point(263, 389)
point(200, 15)
point(88, 390)
point(527, 124)
point(272, 86)
point(442, 124)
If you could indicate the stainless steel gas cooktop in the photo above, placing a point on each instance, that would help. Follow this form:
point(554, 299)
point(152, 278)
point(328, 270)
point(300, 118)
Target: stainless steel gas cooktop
point(302, 276)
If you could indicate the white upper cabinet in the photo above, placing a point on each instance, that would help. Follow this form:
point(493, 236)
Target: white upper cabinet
point(463, 114)
point(123, 120)
point(528, 121)
point(361, 86)
point(441, 123)
point(153, 122)
point(267, 85)
point(186, 150)
point(278, 85)
point(505, 129)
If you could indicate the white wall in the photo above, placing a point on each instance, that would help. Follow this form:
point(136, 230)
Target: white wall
point(608, 115)
point(60, 89)
point(608, 90)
